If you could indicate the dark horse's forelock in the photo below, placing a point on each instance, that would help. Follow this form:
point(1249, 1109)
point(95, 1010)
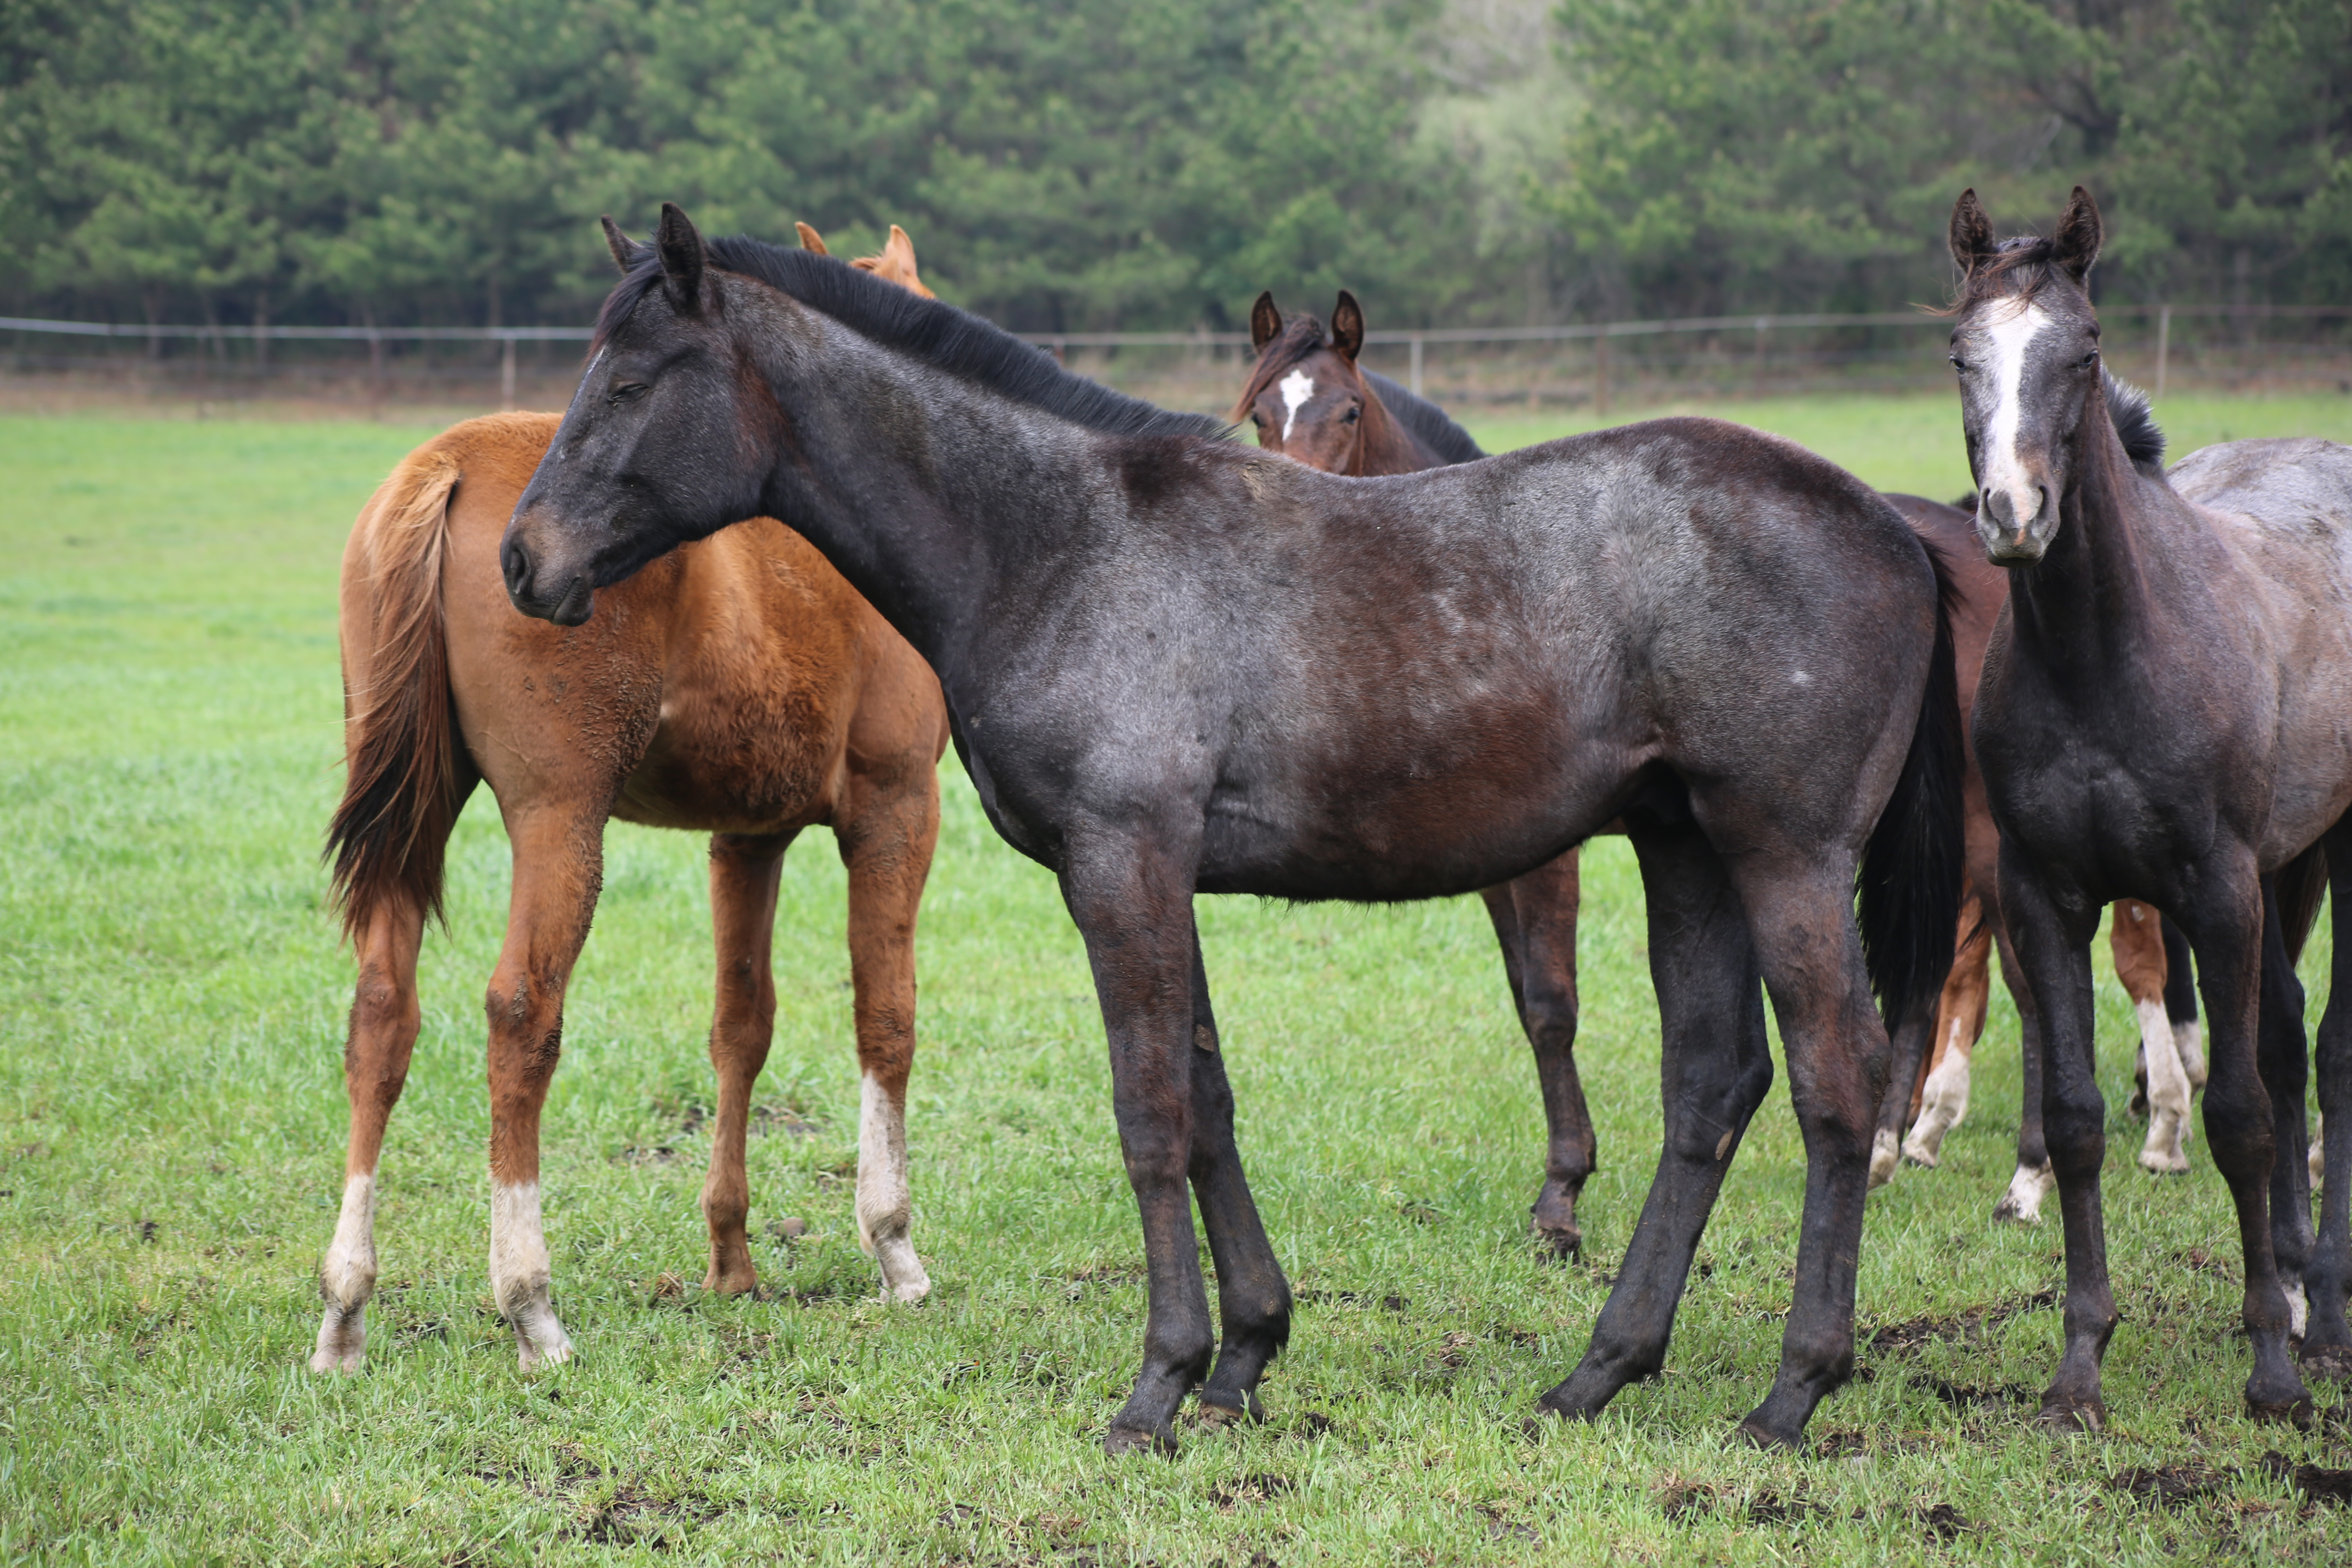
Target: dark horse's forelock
point(2022, 267)
point(950, 340)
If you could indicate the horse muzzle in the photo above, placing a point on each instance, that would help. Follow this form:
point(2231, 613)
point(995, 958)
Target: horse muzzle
point(2011, 540)
point(568, 599)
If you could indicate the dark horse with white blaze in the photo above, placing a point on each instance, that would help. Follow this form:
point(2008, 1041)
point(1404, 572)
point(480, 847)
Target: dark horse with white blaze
point(2165, 714)
point(1174, 665)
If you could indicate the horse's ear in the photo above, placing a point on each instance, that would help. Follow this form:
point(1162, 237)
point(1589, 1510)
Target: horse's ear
point(681, 256)
point(1265, 322)
point(2077, 244)
point(1348, 327)
point(900, 254)
point(810, 239)
point(627, 252)
point(1972, 241)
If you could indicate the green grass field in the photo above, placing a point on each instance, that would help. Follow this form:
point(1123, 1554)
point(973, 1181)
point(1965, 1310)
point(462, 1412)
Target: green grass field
point(171, 1004)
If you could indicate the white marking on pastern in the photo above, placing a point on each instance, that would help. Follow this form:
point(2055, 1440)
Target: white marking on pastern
point(884, 1207)
point(519, 1276)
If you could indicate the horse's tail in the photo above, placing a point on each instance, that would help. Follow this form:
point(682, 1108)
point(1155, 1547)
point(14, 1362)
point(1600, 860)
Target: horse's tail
point(407, 771)
point(2302, 883)
point(1908, 888)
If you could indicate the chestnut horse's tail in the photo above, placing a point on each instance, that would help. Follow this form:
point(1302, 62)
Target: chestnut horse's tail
point(408, 772)
point(1908, 886)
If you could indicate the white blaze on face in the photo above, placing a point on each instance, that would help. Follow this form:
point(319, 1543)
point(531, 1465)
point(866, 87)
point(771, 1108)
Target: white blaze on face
point(1296, 388)
point(2008, 337)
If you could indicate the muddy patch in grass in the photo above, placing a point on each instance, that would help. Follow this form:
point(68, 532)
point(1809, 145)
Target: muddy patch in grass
point(1242, 1490)
point(1964, 1327)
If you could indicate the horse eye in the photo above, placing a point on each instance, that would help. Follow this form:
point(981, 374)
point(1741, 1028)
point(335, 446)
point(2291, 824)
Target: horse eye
point(1351, 416)
point(1958, 364)
point(2090, 359)
point(625, 392)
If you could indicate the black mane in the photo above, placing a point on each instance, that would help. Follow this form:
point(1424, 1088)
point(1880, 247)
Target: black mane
point(1425, 419)
point(947, 339)
point(2143, 442)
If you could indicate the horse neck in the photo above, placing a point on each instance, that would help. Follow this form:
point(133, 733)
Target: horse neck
point(921, 489)
point(1383, 445)
point(2085, 602)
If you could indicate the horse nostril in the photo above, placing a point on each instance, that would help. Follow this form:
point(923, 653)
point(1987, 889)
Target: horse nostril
point(514, 562)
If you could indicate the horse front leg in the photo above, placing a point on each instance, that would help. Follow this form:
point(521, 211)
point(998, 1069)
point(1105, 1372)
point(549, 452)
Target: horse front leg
point(1131, 896)
point(1535, 924)
point(1253, 1298)
point(2032, 1181)
point(2225, 925)
point(384, 1027)
point(744, 874)
point(2052, 941)
point(559, 861)
point(2284, 1055)
point(1714, 1069)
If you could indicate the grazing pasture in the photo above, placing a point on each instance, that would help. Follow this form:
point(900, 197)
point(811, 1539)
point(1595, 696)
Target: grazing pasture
point(171, 1005)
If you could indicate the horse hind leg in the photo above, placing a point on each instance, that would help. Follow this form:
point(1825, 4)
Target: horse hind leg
point(2136, 934)
point(887, 847)
point(1959, 1023)
point(1253, 1297)
point(558, 870)
point(1535, 924)
point(2180, 1006)
point(744, 876)
point(384, 1027)
point(1715, 1069)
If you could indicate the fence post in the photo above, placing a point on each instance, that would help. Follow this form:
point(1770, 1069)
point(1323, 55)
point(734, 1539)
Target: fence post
point(1762, 325)
point(1416, 364)
point(1601, 374)
point(505, 374)
point(2163, 343)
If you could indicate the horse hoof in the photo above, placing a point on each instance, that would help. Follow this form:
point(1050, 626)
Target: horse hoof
point(2296, 1412)
point(2062, 1414)
point(1218, 1416)
point(1919, 1154)
point(1564, 1244)
point(1757, 1434)
point(2158, 1164)
point(2331, 1362)
point(1882, 1151)
point(1122, 1440)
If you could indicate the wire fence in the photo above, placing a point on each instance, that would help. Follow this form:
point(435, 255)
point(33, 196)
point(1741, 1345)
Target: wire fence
point(1587, 364)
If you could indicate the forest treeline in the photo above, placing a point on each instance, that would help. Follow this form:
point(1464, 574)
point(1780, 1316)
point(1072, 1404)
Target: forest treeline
point(1085, 164)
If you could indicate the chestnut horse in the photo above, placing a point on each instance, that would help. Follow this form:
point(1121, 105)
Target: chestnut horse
point(742, 690)
point(2163, 715)
point(1176, 666)
point(1310, 399)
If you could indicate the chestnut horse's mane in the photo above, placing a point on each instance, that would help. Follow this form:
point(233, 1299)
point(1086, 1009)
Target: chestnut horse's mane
point(947, 339)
